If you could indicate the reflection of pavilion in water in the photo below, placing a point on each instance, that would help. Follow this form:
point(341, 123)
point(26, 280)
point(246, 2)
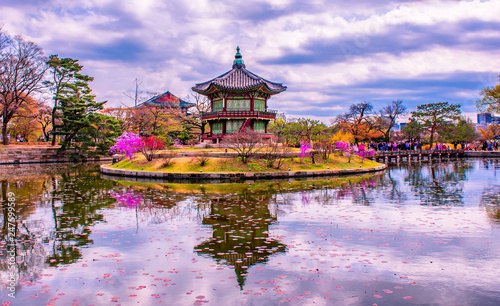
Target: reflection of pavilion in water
point(240, 233)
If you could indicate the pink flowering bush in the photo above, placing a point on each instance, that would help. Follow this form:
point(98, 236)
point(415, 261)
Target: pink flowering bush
point(365, 153)
point(128, 143)
point(349, 151)
point(305, 149)
point(345, 148)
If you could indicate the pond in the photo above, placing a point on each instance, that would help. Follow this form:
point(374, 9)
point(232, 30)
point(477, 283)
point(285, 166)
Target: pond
point(409, 235)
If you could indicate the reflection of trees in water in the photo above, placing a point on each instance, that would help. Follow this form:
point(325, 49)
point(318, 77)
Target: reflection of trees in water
point(240, 224)
point(76, 202)
point(391, 189)
point(73, 196)
point(28, 252)
point(330, 192)
point(439, 183)
point(490, 199)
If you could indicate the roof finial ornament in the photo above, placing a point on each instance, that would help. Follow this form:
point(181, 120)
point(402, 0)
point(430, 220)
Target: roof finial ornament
point(238, 59)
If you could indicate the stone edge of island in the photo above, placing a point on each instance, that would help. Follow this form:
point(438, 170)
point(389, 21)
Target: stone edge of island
point(105, 169)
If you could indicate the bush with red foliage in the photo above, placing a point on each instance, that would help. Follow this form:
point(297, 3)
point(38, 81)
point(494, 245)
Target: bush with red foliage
point(150, 145)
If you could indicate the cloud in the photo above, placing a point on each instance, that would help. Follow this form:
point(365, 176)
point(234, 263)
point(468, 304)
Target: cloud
point(397, 40)
point(330, 55)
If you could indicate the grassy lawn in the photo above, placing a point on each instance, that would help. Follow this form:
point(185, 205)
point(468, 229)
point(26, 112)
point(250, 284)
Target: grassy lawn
point(228, 165)
point(212, 150)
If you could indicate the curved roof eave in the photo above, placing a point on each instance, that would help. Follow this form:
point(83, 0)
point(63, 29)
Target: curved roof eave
point(216, 87)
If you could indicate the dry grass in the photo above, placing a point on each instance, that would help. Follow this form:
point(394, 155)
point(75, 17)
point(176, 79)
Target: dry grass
point(189, 164)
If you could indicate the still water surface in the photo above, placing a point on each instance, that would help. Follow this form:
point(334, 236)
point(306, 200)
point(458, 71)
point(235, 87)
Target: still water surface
point(406, 236)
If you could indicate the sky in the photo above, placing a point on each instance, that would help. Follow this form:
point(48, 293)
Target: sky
point(330, 54)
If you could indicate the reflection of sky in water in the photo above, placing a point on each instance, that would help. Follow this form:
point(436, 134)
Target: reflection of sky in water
point(370, 240)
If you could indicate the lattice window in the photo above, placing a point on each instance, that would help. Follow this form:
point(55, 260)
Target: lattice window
point(259, 105)
point(235, 105)
point(217, 128)
point(259, 126)
point(218, 105)
point(233, 126)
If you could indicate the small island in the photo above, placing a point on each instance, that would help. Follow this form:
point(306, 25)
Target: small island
point(238, 118)
point(217, 164)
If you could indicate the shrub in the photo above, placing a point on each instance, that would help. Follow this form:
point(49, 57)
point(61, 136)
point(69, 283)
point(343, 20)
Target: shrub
point(151, 145)
point(168, 159)
point(202, 159)
point(245, 143)
point(275, 155)
point(128, 143)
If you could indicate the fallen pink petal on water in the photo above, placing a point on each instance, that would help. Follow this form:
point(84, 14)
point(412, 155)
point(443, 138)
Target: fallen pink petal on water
point(408, 297)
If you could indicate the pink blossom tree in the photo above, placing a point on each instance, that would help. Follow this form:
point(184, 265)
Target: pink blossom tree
point(349, 151)
point(305, 150)
point(128, 143)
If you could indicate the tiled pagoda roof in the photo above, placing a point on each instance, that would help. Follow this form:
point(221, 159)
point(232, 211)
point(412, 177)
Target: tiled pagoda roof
point(238, 79)
point(167, 99)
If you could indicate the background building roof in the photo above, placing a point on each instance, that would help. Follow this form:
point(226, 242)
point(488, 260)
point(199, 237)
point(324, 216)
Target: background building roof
point(167, 99)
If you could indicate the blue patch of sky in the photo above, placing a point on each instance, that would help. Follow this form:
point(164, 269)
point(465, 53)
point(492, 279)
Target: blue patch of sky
point(120, 50)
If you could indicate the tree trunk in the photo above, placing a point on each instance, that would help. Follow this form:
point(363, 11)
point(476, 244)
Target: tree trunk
point(5, 138)
point(53, 143)
point(432, 138)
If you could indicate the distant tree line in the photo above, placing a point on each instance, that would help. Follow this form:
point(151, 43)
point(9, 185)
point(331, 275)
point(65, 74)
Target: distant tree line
point(430, 123)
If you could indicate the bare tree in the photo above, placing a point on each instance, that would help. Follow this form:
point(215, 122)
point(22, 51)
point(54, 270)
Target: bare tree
point(356, 121)
point(387, 117)
point(157, 112)
point(22, 66)
point(245, 143)
point(275, 154)
point(123, 114)
point(192, 121)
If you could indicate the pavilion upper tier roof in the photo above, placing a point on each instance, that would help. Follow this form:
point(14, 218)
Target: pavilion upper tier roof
point(238, 79)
